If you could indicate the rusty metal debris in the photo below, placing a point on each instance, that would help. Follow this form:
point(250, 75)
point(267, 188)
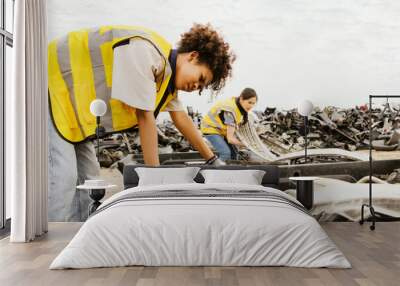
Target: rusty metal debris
point(394, 177)
point(282, 131)
point(115, 147)
point(330, 127)
point(389, 144)
point(249, 137)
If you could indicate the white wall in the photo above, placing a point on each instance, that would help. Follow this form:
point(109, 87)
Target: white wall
point(331, 52)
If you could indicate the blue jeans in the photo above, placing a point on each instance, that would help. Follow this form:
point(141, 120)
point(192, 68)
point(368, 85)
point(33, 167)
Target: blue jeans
point(225, 150)
point(69, 166)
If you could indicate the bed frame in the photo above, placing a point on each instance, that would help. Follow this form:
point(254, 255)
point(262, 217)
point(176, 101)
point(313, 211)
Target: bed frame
point(270, 179)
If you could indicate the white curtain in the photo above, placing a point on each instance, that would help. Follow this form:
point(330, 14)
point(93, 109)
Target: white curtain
point(26, 119)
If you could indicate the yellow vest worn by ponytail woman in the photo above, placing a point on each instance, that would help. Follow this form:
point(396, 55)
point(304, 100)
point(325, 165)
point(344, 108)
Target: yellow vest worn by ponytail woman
point(80, 70)
point(212, 123)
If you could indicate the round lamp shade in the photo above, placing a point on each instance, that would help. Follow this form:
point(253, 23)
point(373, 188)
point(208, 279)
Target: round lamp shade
point(98, 107)
point(305, 108)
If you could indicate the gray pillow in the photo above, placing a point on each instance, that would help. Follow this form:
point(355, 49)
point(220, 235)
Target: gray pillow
point(248, 177)
point(165, 176)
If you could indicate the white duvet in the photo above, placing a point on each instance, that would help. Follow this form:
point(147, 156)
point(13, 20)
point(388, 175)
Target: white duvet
point(200, 231)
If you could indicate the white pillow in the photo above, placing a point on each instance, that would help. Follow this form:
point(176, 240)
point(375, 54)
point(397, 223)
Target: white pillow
point(248, 177)
point(165, 176)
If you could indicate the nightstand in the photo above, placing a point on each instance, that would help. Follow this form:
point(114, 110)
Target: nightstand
point(97, 190)
point(305, 190)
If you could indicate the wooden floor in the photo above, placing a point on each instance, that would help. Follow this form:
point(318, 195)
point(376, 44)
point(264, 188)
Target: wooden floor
point(374, 255)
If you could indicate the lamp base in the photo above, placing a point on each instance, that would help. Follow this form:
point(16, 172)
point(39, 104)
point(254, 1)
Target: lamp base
point(96, 195)
point(373, 217)
point(305, 193)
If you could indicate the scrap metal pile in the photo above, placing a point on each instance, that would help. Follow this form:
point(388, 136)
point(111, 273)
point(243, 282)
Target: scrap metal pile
point(117, 146)
point(282, 132)
point(331, 127)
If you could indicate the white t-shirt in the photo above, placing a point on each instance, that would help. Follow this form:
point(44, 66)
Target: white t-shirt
point(136, 68)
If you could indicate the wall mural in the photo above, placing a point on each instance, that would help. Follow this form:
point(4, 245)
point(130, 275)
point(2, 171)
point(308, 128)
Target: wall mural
point(278, 88)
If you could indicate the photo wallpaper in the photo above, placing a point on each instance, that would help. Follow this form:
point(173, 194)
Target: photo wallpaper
point(231, 82)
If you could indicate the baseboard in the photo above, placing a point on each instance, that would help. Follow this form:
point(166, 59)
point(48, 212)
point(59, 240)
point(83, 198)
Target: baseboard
point(5, 231)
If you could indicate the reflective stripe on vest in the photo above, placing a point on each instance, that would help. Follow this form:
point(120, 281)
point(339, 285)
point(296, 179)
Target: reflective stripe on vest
point(212, 123)
point(80, 70)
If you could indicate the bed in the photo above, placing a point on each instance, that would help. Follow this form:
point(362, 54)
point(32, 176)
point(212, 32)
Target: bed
point(201, 224)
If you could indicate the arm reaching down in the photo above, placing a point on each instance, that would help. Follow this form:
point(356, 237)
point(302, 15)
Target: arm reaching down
point(148, 136)
point(186, 126)
point(231, 138)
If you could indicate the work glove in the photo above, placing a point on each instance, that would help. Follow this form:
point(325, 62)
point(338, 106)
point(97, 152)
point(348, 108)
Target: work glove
point(215, 161)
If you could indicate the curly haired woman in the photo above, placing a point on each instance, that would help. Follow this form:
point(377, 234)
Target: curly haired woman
point(138, 74)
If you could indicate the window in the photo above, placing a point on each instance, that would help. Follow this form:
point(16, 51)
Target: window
point(6, 44)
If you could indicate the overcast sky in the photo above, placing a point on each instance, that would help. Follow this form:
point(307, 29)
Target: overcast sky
point(330, 52)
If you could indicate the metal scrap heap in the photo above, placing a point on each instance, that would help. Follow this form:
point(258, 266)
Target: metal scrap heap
point(117, 146)
point(282, 131)
point(330, 127)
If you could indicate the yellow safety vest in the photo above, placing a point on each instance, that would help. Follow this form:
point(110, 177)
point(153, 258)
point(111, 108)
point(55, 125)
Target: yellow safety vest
point(80, 70)
point(212, 123)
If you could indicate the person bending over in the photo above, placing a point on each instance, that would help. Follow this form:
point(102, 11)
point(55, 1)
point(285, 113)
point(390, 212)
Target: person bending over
point(221, 122)
point(138, 74)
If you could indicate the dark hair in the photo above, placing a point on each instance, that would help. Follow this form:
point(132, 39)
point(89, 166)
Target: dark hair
point(248, 93)
point(213, 52)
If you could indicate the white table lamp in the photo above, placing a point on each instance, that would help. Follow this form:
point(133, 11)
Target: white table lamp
point(98, 108)
point(305, 108)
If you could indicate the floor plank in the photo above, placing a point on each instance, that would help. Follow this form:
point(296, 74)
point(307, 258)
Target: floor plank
point(374, 255)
